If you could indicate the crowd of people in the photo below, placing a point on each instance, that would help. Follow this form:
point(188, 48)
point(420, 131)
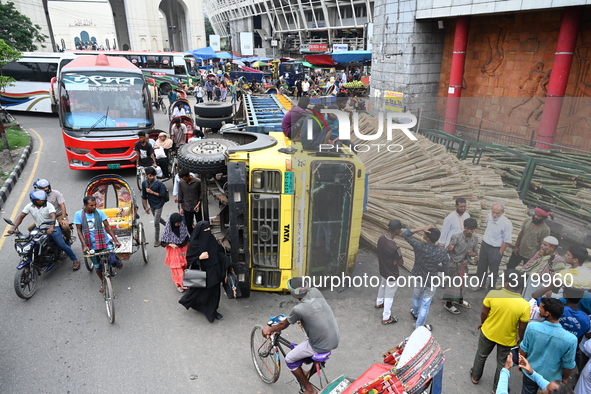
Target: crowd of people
point(538, 312)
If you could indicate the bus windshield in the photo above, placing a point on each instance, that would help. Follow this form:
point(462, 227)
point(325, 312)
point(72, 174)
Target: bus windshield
point(104, 100)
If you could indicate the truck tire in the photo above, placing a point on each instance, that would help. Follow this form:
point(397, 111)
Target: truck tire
point(212, 123)
point(213, 109)
point(205, 156)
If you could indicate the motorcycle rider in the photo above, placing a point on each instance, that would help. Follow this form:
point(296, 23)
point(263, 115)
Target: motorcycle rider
point(43, 211)
point(59, 203)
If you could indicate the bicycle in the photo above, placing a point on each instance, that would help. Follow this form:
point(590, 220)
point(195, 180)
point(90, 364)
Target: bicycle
point(266, 355)
point(107, 287)
point(162, 105)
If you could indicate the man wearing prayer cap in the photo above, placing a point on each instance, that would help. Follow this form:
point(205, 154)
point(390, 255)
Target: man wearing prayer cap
point(533, 231)
point(541, 268)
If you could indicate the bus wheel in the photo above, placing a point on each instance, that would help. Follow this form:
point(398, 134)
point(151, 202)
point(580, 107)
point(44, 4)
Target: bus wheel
point(205, 156)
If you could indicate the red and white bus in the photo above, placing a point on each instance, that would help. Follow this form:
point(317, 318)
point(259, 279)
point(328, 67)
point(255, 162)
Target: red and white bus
point(103, 103)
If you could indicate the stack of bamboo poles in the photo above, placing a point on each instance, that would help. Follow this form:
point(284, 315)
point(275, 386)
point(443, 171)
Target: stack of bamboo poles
point(550, 185)
point(420, 184)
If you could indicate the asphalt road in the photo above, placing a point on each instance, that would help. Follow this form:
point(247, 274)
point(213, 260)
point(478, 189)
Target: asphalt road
point(61, 342)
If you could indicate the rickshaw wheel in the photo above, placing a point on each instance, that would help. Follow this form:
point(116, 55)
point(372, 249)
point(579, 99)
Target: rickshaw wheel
point(142, 241)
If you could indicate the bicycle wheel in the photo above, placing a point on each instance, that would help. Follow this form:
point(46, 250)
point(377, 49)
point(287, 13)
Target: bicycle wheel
point(265, 356)
point(89, 264)
point(140, 177)
point(142, 241)
point(109, 299)
point(174, 167)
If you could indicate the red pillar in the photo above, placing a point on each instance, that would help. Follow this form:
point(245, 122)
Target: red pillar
point(457, 74)
point(563, 58)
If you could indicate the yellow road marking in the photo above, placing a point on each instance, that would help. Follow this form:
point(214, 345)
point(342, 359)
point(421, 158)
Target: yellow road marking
point(25, 192)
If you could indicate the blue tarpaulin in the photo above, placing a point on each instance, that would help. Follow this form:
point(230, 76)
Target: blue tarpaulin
point(223, 55)
point(256, 59)
point(204, 53)
point(351, 56)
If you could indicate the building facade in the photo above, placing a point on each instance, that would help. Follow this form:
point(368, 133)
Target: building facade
point(293, 27)
point(154, 25)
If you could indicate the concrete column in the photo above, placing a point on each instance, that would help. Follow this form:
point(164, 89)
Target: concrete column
point(563, 58)
point(454, 92)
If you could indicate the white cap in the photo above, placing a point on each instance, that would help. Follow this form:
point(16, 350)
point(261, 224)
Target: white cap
point(551, 240)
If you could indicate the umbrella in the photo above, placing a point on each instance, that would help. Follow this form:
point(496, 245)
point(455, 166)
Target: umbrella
point(238, 62)
point(259, 64)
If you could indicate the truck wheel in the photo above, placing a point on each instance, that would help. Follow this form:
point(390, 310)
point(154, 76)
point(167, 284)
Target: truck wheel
point(213, 109)
point(212, 123)
point(205, 156)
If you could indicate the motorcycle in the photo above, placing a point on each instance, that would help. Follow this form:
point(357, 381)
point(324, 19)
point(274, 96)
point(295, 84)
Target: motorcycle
point(38, 254)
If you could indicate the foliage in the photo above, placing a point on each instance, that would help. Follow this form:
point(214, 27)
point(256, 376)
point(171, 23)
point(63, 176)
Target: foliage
point(208, 29)
point(17, 29)
point(7, 55)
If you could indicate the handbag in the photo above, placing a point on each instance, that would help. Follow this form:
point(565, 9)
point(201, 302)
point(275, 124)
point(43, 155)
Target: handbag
point(195, 278)
point(231, 285)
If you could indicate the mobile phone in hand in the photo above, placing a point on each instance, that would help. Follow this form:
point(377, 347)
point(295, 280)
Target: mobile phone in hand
point(515, 355)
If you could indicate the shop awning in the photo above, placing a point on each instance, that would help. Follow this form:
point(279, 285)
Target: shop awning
point(223, 55)
point(306, 64)
point(320, 60)
point(352, 56)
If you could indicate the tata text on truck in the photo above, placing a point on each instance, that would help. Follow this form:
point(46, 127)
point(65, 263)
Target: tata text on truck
point(103, 103)
point(285, 211)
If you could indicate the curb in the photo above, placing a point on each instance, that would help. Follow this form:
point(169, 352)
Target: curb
point(16, 172)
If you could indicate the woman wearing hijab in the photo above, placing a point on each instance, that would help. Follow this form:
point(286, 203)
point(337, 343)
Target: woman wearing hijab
point(165, 143)
point(175, 239)
point(203, 254)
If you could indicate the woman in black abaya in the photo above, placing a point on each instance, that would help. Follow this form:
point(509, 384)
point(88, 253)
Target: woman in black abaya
point(203, 254)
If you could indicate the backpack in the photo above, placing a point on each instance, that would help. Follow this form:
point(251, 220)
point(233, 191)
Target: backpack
point(166, 193)
point(218, 91)
point(318, 132)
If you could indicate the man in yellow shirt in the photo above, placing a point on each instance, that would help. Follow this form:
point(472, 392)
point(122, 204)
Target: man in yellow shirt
point(502, 311)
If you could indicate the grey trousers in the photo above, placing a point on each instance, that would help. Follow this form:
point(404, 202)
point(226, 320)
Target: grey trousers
point(489, 259)
point(157, 221)
point(485, 347)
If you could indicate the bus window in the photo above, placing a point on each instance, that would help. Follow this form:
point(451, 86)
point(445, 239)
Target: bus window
point(287, 67)
point(30, 71)
point(104, 100)
point(297, 67)
point(331, 201)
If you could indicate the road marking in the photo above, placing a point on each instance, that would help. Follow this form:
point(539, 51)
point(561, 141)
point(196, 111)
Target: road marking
point(16, 209)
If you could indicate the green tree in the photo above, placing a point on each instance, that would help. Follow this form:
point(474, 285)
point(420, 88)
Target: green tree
point(208, 30)
point(17, 30)
point(7, 55)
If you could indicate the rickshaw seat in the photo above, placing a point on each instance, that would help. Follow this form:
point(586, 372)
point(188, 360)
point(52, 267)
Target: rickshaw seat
point(119, 218)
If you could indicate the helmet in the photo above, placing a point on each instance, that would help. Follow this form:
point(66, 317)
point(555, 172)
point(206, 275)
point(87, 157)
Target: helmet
point(42, 184)
point(36, 195)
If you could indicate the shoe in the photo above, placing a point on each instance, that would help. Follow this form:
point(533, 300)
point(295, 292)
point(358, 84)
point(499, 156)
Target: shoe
point(451, 309)
point(156, 244)
point(378, 306)
point(428, 327)
point(474, 381)
point(391, 320)
point(413, 315)
point(219, 316)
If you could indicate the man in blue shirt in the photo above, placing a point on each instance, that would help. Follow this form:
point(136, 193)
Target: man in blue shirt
point(153, 196)
point(429, 257)
point(573, 320)
point(549, 348)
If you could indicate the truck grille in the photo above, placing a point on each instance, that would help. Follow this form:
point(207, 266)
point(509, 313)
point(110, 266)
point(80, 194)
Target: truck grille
point(265, 230)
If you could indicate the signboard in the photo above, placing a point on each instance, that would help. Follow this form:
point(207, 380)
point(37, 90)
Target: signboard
point(274, 43)
point(308, 48)
point(246, 43)
point(340, 48)
point(214, 42)
point(393, 101)
point(107, 82)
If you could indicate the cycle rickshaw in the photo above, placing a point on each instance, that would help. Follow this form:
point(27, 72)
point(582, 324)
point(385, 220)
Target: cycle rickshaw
point(186, 105)
point(122, 216)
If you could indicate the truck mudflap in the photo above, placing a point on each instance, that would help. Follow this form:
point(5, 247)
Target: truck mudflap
point(238, 215)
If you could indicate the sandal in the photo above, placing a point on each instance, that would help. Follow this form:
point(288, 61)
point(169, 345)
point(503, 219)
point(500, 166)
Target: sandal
point(76, 265)
point(474, 381)
point(413, 315)
point(180, 289)
point(464, 304)
point(156, 244)
point(428, 327)
point(451, 309)
point(391, 320)
point(101, 290)
point(378, 306)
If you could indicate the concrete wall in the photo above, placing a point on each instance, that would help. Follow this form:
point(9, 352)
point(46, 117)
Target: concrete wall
point(407, 54)
point(450, 8)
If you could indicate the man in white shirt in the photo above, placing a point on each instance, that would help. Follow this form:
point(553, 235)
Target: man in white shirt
point(178, 110)
point(494, 242)
point(454, 222)
point(305, 87)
